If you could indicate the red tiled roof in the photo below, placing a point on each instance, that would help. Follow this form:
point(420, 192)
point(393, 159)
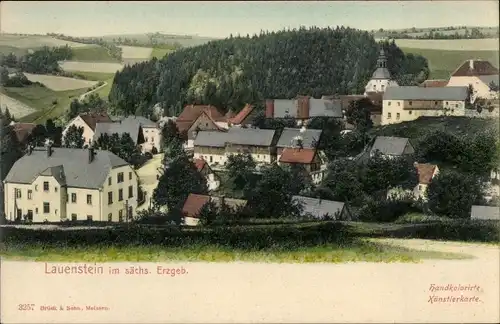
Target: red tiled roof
point(297, 155)
point(425, 172)
point(238, 119)
point(92, 119)
point(23, 130)
point(479, 67)
point(434, 83)
point(193, 204)
point(191, 112)
point(200, 164)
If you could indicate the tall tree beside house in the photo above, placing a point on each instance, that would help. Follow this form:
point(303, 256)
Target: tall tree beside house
point(53, 132)
point(172, 150)
point(170, 132)
point(453, 193)
point(241, 174)
point(359, 114)
point(208, 213)
point(272, 194)
point(179, 180)
point(6, 116)
point(74, 137)
point(342, 183)
point(121, 145)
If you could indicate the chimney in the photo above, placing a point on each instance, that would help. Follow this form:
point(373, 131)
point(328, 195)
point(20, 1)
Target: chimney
point(91, 154)
point(471, 64)
point(303, 108)
point(270, 108)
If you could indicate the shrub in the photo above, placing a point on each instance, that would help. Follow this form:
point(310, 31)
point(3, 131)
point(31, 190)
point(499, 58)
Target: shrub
point(54, 102)
point(387, 210)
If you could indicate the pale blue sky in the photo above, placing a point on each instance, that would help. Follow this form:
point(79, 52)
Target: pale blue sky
point(219, 19)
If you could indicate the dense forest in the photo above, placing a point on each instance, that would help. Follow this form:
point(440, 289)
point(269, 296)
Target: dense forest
point(232, 72)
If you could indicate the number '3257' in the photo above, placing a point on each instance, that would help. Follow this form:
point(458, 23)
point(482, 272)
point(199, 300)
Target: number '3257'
point(26, 307)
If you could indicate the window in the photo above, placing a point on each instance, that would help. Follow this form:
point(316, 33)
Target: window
point(120, 194)
point(388, 115)
point(89, 199)
point(36, 210)
point(389, 103)
point(152, 140)
point(456, 105)
point(73, 217)
point(130, 175)
point(109, 181)
point(89, 217)
point(18, 193)
point(30, 194)
point(211, 159)
point(397, 116)
point(120, 177)
point(435, 102)
point(110, 198)
point(55, 189)
point(73, 197)
point(374, 87)
point(419, 187)
point(120, 215)
point(383, 87)
point(110, 217)
point(399, 104)
point(36, 187)
point(410, 112)
point(130, 191)
point(146, 139)
point(45, 186)
point(447, 103)
point(46, 207)
point(453, 110)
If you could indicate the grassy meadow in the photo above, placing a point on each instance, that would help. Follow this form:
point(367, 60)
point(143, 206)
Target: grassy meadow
point(160, 52)
point(92, 54)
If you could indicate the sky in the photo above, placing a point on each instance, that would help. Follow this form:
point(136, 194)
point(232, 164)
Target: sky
point(222, 18)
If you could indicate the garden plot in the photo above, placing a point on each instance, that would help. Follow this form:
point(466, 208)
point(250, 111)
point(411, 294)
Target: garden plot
point(451, 44)
point(101, 67)
point(33, 41)
point(16, 108)
point(58, 83)
point(135, 52)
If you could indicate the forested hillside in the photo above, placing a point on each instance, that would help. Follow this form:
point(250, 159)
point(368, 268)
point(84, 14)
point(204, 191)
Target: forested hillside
point(229, 73)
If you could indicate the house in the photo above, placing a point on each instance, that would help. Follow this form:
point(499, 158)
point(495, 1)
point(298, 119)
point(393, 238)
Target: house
point(194, 203)
point(213, 180)
point(214, 147)
point(435, 83)
point(390, 146)
point(485, 212)
point(191, 113)
point(482, 75)
point(151, 131)
point(319, 208)
point(293, 137)
point(126, 126)
point(58, 184)
point(204, 122)
point(426, 172)
point(381, 78)
point(302, 109)
point(23, 131)
point(245, 117)
point(88, 121)
point(409, 103)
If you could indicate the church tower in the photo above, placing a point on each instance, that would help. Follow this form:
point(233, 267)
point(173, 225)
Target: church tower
point(381, 78)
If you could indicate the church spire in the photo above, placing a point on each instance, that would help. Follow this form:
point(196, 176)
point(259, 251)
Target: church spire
point(382, 59)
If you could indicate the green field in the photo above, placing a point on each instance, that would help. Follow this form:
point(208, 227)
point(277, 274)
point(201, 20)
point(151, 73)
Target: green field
point(92, 54)
point(5, 49)
point(160, 52)
point(443, 62)
point(43, 100)
point(362, 250)
point(95, 76)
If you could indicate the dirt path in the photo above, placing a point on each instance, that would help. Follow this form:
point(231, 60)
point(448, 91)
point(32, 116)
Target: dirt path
point(83, 96)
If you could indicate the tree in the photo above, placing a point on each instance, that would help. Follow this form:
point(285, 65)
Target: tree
point(208, 213)
point(241, 173)
point(342, 183)
point(7, 118)
point(179, 180)
point(122, 145)
point(4, 76)
point(74, 137)
point(53, 132)
point(452, 194)
point(359, 114)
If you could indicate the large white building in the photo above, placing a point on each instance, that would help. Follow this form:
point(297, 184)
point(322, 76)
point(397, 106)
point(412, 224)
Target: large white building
point(402, 104)
point(59, 184)
point(381, 78)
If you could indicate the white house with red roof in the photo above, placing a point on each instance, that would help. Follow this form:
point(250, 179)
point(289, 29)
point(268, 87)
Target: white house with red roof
point(213, 180)
point(482, 75)
point(426, 173)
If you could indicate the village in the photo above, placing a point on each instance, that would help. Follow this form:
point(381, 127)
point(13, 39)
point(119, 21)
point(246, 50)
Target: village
point(84, 182)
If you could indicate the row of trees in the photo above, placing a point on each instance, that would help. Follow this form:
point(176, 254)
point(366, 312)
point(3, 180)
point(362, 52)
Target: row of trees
point(17, 80)
point(41, 61)
point(239, 70)
point(440, 33)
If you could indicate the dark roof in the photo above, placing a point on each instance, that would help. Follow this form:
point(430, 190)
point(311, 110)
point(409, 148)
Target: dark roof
point(309, 137)
point(297, 155)
point(240, 117)
point(475, 68)
point(317, 108)
point(381, 73)
point(485, 212)
point(192, 112)
point(390, 145)
point(434, 83)
point(23, 130)
point(127, 126)
point(250, 136)
point(319, 207)
point(92, 119)
point(425, 172)
point(74, 163)
point(423, 93)
point(211, 139)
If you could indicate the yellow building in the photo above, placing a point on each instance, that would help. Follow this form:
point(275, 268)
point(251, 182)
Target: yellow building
point(59, 184)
